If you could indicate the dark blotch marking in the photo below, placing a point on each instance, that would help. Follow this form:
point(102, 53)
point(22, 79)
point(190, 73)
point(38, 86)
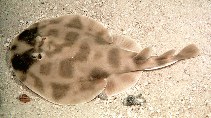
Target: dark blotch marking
point(114, 57)
point(29, 35)
point(98, 73)
point(75, 23)
point(138, 60)
point(71, 37)
point(22, 62)
point(83, 53)
point(37, 82)
point(53, 32)
point(162, 61)
point(14, 47)
point(58, 47)
point(66, 68)
point(100, 40)
point(45, 68)
point(59, 90)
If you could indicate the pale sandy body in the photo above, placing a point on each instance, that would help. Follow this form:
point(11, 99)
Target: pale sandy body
point(73, 59)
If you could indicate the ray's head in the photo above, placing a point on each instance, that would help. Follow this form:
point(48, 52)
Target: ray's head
point(25, 49)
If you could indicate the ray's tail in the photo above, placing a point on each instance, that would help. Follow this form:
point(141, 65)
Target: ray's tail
point(166, 59)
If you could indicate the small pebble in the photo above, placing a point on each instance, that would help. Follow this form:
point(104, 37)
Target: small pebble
point(102, 96)
point(24, 98)
point(129, 101)
point(124, 32)
point(6, 45)
point(134, 100)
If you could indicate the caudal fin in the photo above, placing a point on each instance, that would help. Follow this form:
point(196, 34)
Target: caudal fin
point(187, 52)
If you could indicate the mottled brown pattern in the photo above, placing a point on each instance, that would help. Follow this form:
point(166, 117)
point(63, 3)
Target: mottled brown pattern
point(66, 68)
point(164, 58)
point(139, 60)
point(45, 68)
point(58, 48)
point(85, 86)
point(37, 82)
point(71, 37)
point(100, 40)
point(161, 61)
point(75, 23)
point(98, 73)
point(98, 55)
point(188, 52)
point(55, 21)
point(53, 32)
point(79, 55)
point(166, 55)
point(83, 53)
point(114, 57)
point(59, 90)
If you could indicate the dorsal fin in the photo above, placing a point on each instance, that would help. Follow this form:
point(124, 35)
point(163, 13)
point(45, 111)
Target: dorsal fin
point(166, 55)
point(144, 54)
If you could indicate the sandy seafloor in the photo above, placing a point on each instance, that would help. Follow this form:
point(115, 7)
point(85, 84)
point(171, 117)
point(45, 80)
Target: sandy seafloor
point(180, 91)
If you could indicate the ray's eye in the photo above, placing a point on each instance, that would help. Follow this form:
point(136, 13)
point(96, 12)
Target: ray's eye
point(33, 56)
point(39, 56)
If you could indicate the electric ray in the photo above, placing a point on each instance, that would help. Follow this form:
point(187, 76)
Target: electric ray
point(72, 59)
